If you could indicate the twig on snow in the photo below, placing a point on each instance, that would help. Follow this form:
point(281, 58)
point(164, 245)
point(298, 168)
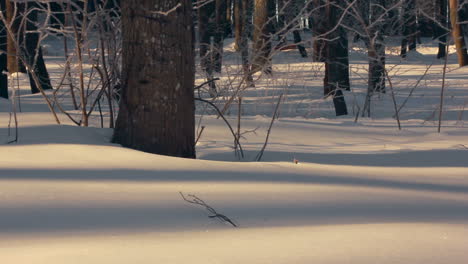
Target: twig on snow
point(193, 199)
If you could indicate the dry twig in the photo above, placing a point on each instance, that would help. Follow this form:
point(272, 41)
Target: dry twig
point(193, 199)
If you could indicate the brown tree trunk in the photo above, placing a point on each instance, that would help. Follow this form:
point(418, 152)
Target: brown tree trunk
point(457, 34)
point(157, 107)
point(261, 37)
point(237, 24)
point(3, 56)
point(14, 9)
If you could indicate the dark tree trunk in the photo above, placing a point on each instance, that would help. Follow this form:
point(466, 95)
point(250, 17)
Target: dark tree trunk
point(157, 106)
point(261, 37)
point(441, 31)
point(33, 53)
point(337, 61)
point(206, 30)
point(409, 27)
point(221, 27)
point(319, 28)
point(457, 34)
point(228, 32)
point(336, 64)
point(291, 23)
point(3, 56)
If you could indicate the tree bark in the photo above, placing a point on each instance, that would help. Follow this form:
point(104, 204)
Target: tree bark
point(409, 27)
point(157, 106)
point(13, 10)
point(261, 37)
point(457, 34)
point(3, 56)
point(441, 28)
point(33, 52)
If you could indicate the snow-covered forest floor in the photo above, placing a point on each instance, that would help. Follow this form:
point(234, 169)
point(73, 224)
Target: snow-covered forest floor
point(361, 192)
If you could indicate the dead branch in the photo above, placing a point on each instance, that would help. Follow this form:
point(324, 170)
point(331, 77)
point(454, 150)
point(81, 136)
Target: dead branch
point(260, 154)
point(193, 199)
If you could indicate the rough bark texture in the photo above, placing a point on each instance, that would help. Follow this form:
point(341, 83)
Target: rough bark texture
point(457, 34)
point(12, 11)
point(336, 63)
point(157, 106)
point(318, 29)
point(3, 56)
point(262, 42)
point(337, 60)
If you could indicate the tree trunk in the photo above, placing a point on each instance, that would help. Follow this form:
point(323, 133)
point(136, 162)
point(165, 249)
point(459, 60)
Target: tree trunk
point(262, 41)
point(207, 29)
point(337, 60)
point(14, 64)
point(221, 28)
point(441, 30)
point(3, 56)
point(319, 28)
point(409, 27)
point(33, 52)
point(457, 34)
point(237, 24)
point(157, 106)
point(336, 64)
point(243, 6)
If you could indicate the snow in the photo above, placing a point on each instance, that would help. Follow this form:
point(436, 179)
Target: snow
point(361, 192)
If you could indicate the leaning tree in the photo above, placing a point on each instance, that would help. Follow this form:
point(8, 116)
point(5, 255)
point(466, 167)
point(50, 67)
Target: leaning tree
point(157, 106)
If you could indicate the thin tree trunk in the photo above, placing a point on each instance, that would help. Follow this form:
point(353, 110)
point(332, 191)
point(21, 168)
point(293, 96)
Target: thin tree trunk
point(32, 49)
point(237, 24)
point(221, 26)
point(157, 106)
point(441, 30)
point(3, 56)
point(409, 27)
point(458, 34)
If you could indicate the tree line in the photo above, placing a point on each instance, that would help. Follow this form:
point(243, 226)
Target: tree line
point(152, 72)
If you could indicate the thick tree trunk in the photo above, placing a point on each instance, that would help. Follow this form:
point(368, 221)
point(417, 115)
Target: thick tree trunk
point(457, 34)
point(3, 56)
point(319, 28)
point(376, 53)
point(12, 15)
point(157, 106)
point(337, 60)
point(337, 63)
point(261, 37)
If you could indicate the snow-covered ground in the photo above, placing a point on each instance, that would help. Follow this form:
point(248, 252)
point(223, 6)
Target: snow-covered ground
point(361, 192)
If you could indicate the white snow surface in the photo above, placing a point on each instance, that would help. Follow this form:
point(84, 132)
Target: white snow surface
point(361, 193)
